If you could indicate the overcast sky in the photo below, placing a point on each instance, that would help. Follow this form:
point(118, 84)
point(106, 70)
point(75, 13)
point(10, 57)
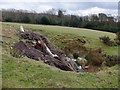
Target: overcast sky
point(77, 7)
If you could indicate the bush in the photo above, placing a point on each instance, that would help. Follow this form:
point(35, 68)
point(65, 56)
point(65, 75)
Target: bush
point(112, 60)
point(72, 45)
point(106, 40)
point(95, 57)
point(118, 38)
point(118, 35)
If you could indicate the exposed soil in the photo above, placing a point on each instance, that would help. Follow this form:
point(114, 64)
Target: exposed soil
point(34, 46)
point(39, 52)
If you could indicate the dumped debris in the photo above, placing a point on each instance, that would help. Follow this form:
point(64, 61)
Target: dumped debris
point(81, 62)
point(36, 46)
point(21, 28)
point(75, 65)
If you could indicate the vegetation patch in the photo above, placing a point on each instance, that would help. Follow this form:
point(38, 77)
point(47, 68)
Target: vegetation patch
point(112, 60)
point(106, 40)
point(72, 44)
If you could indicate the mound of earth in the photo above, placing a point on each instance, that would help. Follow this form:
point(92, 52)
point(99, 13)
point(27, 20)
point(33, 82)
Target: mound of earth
point(36, 46)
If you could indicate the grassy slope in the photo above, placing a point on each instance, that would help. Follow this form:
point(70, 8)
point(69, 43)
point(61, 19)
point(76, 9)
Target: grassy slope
point(91, 35)
point(24, 72)
point(29, 73)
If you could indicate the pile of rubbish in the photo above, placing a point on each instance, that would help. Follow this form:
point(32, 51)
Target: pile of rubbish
point(37, 47)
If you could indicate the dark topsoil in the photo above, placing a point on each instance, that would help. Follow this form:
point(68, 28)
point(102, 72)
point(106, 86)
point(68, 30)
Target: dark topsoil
point(29, 49)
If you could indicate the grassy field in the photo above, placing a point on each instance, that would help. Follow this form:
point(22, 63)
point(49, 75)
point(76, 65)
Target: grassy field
point(24, 72)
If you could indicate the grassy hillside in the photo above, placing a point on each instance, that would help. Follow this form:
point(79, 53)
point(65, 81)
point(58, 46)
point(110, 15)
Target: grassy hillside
point(52, 31)
point(24, 72)
point(33, 74)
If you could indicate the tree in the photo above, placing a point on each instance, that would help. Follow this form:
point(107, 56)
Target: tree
point(102, 17)
point(8, 19)
point(61, 12)
point(37, 20)
point(44, 20)
point(94, 18)
point(51, 15)
point(25, 19)
point(51, 11)
point(99, 22)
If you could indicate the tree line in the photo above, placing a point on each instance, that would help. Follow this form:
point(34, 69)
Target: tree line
point(98, 22)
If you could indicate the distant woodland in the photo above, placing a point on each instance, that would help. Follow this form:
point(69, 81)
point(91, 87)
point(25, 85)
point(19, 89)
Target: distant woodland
point(100, 22)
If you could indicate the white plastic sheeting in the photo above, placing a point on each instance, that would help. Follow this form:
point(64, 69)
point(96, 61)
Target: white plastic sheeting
point(21, 28)
point(79, 68)
point(48, 50)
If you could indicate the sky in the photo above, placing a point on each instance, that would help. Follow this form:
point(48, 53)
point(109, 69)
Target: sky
point(76, 7)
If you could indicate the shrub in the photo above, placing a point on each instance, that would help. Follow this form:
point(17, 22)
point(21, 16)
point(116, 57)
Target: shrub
point(75, 48)
point(73, 45)
point(118, 38)
point(106, 40)
point(95, 57)
point(118, 35)
point(112, 60)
